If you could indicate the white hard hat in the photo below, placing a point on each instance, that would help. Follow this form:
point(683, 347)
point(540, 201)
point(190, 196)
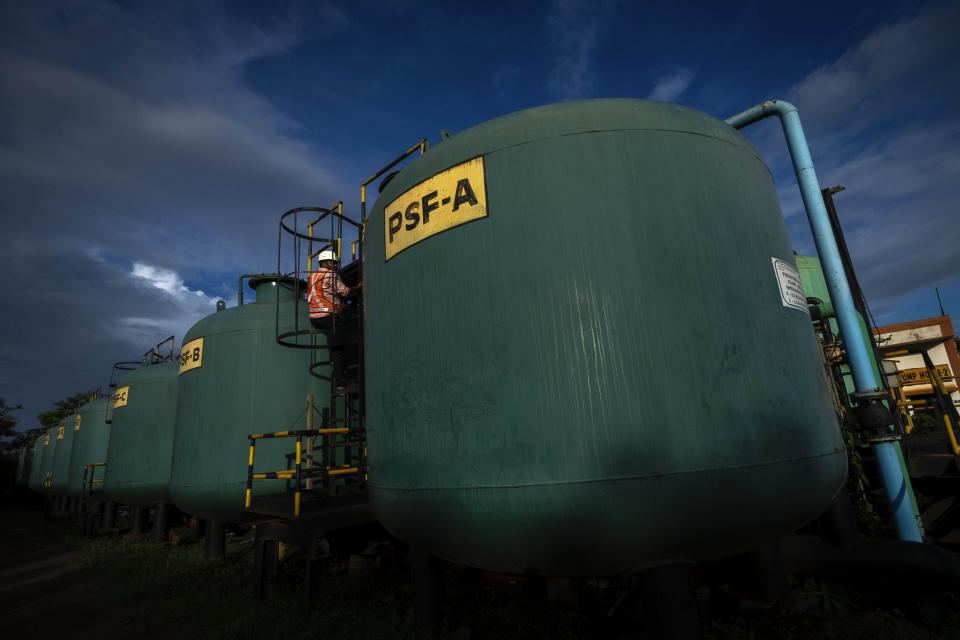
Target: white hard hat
point(323, 256)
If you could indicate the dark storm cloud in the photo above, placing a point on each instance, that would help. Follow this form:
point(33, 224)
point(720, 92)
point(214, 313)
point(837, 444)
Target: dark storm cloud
point(133, 158)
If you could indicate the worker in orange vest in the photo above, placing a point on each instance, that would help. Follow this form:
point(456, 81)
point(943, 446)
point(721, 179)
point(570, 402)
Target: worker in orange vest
point(326, 295)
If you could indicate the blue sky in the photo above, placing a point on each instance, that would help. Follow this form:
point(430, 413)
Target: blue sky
point(147, 149)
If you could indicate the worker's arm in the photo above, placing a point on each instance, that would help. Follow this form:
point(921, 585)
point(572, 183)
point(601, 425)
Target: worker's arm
point(342, 289)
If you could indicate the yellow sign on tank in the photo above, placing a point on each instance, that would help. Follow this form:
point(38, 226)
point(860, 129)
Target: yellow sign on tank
point(120, 397)
point(448, 199)
point(60, 431)
point(191, 355)
point(76, 422)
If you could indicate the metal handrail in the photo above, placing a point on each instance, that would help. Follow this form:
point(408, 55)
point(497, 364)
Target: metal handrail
point(153, 355)
point(298, 474)
point(422, 146)
point(91, 468)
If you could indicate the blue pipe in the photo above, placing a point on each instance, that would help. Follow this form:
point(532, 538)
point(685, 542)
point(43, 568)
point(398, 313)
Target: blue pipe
point(865, 377)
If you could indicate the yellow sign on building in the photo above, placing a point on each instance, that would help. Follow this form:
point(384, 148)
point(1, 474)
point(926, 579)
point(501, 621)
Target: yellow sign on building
point(921, 375)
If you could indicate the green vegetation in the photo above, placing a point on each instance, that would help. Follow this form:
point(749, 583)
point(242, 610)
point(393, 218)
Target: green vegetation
point(8, 426)
point(11, 439)
point(61, 409)
point(174, 587)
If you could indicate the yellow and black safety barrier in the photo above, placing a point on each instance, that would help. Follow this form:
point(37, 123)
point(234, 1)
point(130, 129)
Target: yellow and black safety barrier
point(89, 479)
point(298, 474)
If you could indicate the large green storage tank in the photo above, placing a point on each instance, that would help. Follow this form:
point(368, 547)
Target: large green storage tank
point(234, 380)
point(46, 459)
point(60, 465)
point(142, 430)
point(90, 447)
point(35, 483)
point(609, 367)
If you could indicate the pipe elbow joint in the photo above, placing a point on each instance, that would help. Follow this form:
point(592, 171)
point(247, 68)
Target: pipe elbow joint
point(778, 107)
point(765, 109)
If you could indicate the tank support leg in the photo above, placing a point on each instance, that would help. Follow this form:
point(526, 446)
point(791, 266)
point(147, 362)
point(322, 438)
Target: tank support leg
point(769, 573)
point(161, 521)
point(91, 518)
point(266, 560)
point(427, 577)
point(214, 539)
point(669, 602)
point(140, 516)
point(838, 524)
point(109, 520)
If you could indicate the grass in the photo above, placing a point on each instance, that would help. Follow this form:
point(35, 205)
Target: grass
point(215, 599)
point(175, 587)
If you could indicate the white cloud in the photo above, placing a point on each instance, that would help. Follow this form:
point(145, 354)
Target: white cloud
point(175, 306)
point(165, 280)
point(574, 27)
point(881, 123)
point(898, 64)
point(671, 86)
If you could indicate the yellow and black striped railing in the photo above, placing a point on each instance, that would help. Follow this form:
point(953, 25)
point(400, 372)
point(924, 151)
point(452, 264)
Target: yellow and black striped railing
point(89, 477)
point(299, 473)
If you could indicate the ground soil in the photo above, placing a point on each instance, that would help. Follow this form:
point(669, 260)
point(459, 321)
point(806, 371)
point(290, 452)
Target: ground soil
point(47, 590)
point(54, 583)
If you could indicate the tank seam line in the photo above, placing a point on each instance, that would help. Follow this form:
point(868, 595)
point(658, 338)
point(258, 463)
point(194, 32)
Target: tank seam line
point(613, 479)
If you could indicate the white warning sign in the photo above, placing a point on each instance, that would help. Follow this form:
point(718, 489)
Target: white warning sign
point(791, 287)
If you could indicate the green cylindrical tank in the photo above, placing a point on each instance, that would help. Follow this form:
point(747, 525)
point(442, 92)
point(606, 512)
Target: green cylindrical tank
point(234, 380)
point(24, 465)
point(90, 447)
point(60, 465)
point(141, 442)
point(46, 460)
point(608, 367)
point(35, 482)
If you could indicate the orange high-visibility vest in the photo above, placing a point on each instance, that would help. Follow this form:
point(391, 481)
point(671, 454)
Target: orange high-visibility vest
point(323, 296)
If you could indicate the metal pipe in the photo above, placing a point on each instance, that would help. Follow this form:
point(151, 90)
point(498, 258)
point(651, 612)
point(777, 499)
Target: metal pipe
point(865, 377)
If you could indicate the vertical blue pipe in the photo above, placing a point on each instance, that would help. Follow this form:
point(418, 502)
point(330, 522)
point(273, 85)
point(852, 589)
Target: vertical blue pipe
point(865, 376)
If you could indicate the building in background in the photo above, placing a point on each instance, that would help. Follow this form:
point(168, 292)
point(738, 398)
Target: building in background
point(906, 342)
